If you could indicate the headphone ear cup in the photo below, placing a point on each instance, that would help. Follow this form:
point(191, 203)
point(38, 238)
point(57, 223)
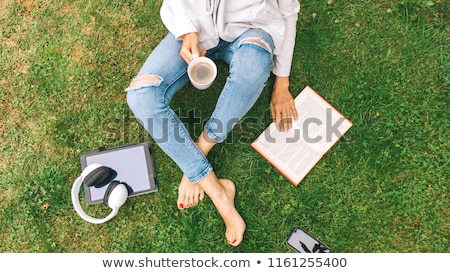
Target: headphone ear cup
point(116, 194)
point(99, 177)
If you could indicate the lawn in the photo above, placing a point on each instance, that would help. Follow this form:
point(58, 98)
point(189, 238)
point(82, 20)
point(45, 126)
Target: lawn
point(382, 188)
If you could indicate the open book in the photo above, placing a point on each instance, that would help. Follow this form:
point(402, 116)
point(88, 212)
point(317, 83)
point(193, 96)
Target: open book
point(295, 152)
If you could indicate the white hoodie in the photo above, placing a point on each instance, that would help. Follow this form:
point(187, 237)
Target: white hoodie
point(228, 19)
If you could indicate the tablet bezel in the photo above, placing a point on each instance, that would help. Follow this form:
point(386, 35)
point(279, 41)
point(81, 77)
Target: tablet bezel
point(124, 168)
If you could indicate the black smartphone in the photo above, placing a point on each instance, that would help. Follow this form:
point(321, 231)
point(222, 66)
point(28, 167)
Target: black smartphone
point(303, 242)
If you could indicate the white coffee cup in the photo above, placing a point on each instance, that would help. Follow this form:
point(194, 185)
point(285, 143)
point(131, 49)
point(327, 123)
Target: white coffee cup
point(202, 72)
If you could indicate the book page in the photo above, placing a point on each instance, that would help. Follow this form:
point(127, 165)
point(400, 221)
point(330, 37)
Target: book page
point(318, 127)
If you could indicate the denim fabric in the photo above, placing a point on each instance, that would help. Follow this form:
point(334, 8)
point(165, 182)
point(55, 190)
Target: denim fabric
point(250, 65)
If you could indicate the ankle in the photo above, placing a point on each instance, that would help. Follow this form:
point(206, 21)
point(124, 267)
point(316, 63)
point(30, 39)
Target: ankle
point(211, 185)
point(205, 143)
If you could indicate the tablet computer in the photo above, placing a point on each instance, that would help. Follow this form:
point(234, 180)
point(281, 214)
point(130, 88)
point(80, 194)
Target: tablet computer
point(134, 164)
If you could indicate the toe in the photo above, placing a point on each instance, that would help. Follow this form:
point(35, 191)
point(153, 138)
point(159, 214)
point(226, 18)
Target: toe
point(181, 202)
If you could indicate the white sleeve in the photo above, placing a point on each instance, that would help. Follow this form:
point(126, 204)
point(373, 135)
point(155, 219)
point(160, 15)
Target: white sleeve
point(283, 60)
point(175, 18)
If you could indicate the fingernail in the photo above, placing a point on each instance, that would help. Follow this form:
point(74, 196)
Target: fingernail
point(181, 206)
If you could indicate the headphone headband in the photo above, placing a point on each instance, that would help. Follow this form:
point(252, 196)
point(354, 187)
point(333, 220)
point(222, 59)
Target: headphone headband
point(94, 175)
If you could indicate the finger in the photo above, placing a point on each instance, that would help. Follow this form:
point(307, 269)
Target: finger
point(279, 121)
point(286, 115)
point(203, 52)
point(276, 117)
point(294, 112)
point(194, 52)
point(272, 112)
point(287, 122)
point(186, 55)
point(187, 52)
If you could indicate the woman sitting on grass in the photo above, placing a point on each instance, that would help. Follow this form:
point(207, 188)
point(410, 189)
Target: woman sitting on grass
point(255, 38)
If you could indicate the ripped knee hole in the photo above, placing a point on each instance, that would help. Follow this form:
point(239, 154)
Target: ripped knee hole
point(256, 41)
point(145, 80)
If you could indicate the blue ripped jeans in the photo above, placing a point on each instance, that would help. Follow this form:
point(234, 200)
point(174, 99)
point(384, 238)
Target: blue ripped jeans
point(250, 65)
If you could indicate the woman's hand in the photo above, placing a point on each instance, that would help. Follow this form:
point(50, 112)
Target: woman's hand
point(189, 48)
point(282, 104)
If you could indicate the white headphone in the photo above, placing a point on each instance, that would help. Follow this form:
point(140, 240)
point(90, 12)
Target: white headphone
point(99, 176)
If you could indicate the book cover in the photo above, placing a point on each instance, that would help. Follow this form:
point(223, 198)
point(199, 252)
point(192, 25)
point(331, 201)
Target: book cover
point(294, 153)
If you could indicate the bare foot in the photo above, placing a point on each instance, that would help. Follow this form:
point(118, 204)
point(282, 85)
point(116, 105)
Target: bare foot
point(222, 193)
point(189, 194)
point(235, 230)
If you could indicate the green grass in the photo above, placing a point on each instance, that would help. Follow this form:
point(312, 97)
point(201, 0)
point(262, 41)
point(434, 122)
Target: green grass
point(382, 188)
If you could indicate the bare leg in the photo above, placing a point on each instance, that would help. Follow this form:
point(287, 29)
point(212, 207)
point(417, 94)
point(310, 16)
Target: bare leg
point(222, 192)
point(190, 194)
